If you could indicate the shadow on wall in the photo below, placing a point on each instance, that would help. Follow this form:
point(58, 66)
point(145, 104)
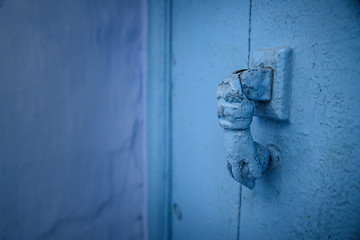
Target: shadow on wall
point(72, 123)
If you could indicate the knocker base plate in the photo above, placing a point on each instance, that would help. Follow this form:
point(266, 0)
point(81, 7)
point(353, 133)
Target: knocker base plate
point(280, 60)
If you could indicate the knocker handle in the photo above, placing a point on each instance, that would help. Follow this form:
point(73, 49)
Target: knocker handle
point(246, 159)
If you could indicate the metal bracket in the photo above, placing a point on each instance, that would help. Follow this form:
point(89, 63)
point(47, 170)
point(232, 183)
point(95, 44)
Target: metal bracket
point(256, 83)
point(280, 60)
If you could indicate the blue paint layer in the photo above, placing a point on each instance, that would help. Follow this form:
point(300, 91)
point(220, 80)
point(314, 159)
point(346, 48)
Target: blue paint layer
point(209, 40)
point(72, 119)
point(246, 159)
point(314, 192)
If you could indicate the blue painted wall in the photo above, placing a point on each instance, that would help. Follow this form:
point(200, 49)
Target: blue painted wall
point(207, 46)
point(72, 119)
point(314, 192)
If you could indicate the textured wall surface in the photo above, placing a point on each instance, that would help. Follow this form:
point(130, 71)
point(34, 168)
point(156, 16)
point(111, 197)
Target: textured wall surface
point(314, 193)
point(207, 46)
point(72, 119)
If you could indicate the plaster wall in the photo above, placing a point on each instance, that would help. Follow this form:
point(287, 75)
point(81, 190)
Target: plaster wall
point(72, 119)
point(314, 193)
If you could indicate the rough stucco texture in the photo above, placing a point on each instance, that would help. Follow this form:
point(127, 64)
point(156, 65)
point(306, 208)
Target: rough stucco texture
point(314, 192)
point(72, 119)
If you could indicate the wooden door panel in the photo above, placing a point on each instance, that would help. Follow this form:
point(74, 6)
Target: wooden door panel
point(209, 42)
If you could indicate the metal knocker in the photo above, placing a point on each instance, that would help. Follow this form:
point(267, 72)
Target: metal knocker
point(249, 91)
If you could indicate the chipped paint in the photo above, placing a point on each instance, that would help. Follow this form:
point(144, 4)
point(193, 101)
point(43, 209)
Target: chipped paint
point(246, 159)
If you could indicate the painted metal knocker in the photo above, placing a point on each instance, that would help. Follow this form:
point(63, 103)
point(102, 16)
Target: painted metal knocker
point(263, 91)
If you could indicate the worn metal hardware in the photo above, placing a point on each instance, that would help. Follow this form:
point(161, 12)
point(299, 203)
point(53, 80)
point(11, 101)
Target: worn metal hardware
point(280, 60)
point(256, 83)
point(261, 91)
point(246, 159)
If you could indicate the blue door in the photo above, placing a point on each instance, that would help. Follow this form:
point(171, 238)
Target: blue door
point(314, 191)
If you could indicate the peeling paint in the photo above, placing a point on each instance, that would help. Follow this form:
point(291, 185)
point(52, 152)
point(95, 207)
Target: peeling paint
point(246, 159)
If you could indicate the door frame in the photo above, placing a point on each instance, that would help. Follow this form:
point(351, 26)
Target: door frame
point(158, 114)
